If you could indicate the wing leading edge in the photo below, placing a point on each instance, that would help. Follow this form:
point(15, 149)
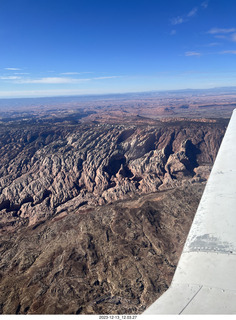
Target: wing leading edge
point(205, 279)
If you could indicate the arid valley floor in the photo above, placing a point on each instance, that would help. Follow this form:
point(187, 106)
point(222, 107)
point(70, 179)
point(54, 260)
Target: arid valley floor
point(97, 195)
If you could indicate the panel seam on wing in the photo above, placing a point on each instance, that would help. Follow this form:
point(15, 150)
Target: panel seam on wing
point(191, 300)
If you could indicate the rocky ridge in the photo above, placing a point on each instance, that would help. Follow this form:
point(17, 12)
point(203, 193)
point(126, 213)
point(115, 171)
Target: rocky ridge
point(47, 172)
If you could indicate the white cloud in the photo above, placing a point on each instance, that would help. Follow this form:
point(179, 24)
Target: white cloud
point(21, 73)
point(223, 33)
point(221, 30)
point(221, 36)
point(74, 73)
point(229, 52)
point(12, 69)
point(109, 77)
point(173, 32)
point(193, 12)
point(177, 20)
point(10, 78)
point(213, 44)
point(233, 37)
point(204, 4)
point(185, 17)
point(69, 73)
point(53, 80)
point(192, 53)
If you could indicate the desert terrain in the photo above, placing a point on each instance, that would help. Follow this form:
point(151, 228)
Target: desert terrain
point(97, 195)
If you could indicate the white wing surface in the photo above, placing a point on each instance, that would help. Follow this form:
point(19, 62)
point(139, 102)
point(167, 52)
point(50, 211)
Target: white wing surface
point(205, 279)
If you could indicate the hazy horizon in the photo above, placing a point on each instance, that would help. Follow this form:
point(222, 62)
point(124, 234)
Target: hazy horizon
point(127, 94)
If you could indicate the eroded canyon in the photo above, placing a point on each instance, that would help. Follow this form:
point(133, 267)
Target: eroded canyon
point(94, 211)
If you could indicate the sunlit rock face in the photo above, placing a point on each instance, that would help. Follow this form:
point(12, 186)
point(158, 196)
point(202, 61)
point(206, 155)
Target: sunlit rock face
point(48, 171)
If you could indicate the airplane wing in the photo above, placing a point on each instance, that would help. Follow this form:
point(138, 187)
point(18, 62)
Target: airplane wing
point(205, 279)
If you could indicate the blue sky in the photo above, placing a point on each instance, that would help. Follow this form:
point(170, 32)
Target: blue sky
point(70, 47)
